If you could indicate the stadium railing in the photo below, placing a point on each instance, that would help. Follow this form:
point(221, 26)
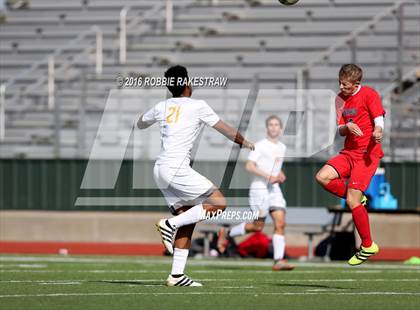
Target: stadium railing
point(303, 76)
point(128, 27)
point(350, 41)
point(49, 60)
point(402, 123)
point(132, 34)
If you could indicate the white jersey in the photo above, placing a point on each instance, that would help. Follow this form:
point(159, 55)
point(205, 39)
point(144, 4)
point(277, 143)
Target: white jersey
point(269, 157)
point(180, 120)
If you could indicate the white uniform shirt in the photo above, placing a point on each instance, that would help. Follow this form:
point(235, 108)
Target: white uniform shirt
point(269, 158)
point(180, 120)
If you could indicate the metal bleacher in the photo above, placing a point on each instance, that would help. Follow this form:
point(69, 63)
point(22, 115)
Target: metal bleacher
point(236, 39)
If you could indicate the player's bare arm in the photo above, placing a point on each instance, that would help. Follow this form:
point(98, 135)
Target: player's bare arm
point(232, 134)
point(282, 177)
point(379, 128)
point(252, 168)
point(377, 134)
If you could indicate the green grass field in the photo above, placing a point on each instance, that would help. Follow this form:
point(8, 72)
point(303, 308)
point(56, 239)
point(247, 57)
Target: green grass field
point(76, 282)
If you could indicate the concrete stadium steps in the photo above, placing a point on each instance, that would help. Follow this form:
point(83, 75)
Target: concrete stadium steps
point(245, 83)
point(99, 89)
point(361, 13)
point(333, 3)
point(49, 36)
point(30, 47)
point(54, 28)
point(376, 63)
point(380, 68)
point(57, 28)
point(265, 43)
point(229, 39)
point(90, 4)
point(294, 13)
point(291, 28)
point(51, 6)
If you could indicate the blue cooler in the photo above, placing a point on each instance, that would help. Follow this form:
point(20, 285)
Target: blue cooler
point(384, 200)
point(379, 193)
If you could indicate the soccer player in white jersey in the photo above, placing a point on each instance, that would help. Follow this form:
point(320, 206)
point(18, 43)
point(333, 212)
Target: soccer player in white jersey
point(265, 195)
point(190, 196)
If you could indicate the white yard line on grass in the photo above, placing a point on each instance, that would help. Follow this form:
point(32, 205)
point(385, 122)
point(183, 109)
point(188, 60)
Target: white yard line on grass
point(23, 265)
point(188, 292)
point(199, 262)
point(79, 271)
point(78, 280)
point(219, 287)
point(69, 259)
point(344, 293)
point(134, 281)
point(61, 283)
point(203, 271)
point(348, 280)
point(351, 271)
point(376, 266)
point(324, 290)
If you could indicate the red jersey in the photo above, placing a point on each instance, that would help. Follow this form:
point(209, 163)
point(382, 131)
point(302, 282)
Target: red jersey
point(361, 108)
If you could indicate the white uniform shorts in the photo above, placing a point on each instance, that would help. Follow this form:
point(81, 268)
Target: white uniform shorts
point(265, 200)
point(182, 186)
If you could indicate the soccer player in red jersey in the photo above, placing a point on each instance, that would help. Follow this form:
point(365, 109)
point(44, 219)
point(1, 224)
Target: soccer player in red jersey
point(360, 117)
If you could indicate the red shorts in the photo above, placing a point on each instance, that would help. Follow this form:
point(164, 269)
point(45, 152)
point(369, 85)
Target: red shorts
point(359, 168)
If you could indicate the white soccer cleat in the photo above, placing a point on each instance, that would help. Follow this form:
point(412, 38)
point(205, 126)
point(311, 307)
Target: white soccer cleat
point(181, 281)
point(167, 234)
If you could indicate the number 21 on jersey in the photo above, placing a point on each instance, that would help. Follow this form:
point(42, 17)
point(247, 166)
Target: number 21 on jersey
point(173, 115)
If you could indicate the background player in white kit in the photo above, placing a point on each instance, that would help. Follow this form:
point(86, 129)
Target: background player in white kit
point(265, 195)
point(189, 194)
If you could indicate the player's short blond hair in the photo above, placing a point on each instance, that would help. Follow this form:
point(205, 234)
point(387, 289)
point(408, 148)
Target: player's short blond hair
point(271, 117)
point(351, 72)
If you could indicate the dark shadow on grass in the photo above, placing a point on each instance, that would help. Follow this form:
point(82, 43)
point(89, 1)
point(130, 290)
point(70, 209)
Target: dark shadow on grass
point(311, 285)
point(128, 282)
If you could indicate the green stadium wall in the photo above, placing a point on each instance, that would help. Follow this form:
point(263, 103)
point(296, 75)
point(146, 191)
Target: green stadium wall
point(55, 184)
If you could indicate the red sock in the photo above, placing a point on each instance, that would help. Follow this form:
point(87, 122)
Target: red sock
point(337, 187)
point(361, 221)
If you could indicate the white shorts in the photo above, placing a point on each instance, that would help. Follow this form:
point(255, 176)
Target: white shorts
point(265, 200)
point(182, 186)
